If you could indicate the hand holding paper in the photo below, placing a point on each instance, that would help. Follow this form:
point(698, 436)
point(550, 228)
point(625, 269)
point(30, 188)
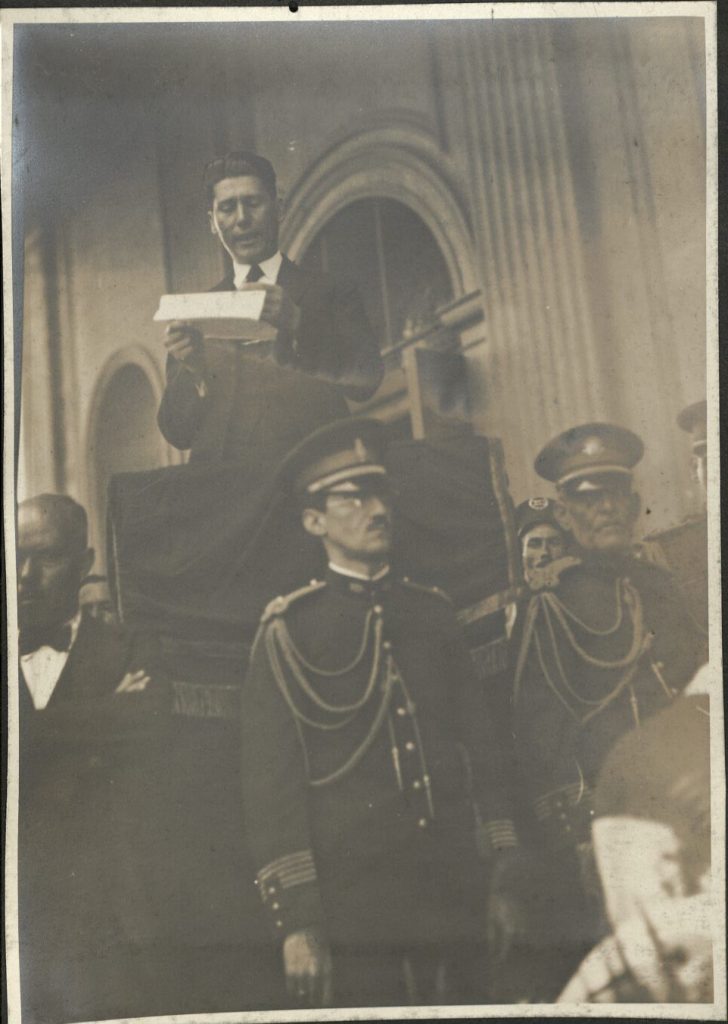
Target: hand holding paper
point(278, 310)
point(184, 343)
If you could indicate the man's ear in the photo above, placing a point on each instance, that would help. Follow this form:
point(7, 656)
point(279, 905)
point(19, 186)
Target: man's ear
point(213, 223)
point(86, 561)
point(562, 516)
point(314, 522)
point(281, 205)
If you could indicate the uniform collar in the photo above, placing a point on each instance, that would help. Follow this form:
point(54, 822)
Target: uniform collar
point(350, 582)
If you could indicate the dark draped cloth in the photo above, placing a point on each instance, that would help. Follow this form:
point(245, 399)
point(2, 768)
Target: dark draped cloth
point(198, 552)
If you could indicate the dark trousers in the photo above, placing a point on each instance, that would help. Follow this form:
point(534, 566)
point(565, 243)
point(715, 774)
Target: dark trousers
point(422, 975)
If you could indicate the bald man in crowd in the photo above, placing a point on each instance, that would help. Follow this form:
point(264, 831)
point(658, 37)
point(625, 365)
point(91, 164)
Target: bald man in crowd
point(85, 704)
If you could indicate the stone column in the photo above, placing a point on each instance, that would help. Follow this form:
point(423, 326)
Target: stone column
point(540, 362)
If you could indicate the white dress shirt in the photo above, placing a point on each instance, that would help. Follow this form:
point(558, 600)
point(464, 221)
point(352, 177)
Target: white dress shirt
point(270, 267)
point(42, 668)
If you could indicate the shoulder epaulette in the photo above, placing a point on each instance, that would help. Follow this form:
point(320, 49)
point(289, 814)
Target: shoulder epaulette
point(549, 576)
point(280, 605)
point(424, 589)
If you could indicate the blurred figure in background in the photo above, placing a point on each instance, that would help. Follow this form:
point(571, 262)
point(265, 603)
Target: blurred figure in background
point(542, 538)
point(95, 599)
point(652, 842)
point(683, 549)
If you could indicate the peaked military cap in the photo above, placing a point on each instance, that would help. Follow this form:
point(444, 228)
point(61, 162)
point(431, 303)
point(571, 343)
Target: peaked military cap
point(535, 512)
point(335, 453)
point(237, 164)
point(694, 420)
point(580, 456)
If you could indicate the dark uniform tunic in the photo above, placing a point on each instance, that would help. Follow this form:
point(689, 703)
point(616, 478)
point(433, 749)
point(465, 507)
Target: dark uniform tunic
point(382, 853)
point(612, 644)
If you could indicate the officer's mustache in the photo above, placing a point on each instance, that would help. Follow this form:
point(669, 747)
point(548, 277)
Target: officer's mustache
point(379, 521)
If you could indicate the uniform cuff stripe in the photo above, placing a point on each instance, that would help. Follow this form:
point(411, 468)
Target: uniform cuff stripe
point(291, 862)
point(500, 833)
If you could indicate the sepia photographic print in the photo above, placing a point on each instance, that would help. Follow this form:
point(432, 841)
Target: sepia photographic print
point(362, 520)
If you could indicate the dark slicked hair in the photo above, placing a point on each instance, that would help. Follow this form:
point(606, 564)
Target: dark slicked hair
point(72, 517)
point(235, 165)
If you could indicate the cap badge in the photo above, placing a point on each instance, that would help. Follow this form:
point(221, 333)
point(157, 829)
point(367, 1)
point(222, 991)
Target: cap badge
point(538, 504)
point(592, 446)
point(360, 450)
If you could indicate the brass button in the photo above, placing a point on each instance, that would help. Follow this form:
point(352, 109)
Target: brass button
point(401, 712)
point(409, 745)
point(276, 906)
point(423, 823)
point(279, 924)
point(377, 609)
point(417, 784)
point(387, 645)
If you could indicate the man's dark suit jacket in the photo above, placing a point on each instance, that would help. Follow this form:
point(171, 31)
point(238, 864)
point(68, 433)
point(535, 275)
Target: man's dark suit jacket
point(263, 399)
point(72, 833)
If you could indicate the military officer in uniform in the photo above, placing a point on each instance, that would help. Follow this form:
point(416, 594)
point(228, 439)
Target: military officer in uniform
point(369, 762)
point(608, 645)
point(683, 549)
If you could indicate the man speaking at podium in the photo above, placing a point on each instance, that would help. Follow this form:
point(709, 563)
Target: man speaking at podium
point(226, 401)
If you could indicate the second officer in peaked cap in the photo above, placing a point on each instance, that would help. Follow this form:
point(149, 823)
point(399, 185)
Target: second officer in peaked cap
point(367, 748)
point(608, 644)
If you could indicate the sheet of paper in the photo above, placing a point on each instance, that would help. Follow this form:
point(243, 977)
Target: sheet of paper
point(219, 315)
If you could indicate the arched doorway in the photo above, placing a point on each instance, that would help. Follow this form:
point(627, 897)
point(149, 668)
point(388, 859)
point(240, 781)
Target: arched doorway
point(125, 437)
point(389, 253)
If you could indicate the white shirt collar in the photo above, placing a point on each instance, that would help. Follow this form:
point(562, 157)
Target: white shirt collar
point(270, 267)
point(358, 575)
point(42, 668)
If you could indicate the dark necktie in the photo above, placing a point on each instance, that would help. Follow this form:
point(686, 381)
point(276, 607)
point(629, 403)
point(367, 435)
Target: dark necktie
point(254, 274)
point(59, 638)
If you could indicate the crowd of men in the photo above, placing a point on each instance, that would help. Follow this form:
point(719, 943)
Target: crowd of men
point(402, 829)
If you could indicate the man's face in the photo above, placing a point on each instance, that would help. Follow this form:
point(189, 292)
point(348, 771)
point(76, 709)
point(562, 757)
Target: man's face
point(355, 525)
point(96, 602)
point(49, 570)
point(541, 545)
point(244, 216)
point(601, 520)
